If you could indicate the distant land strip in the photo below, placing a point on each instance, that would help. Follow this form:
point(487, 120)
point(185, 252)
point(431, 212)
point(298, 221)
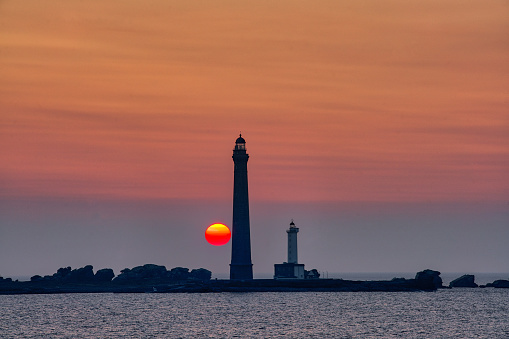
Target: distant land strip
point(152, 278)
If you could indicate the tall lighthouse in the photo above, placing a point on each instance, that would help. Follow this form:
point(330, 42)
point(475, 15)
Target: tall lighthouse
point(241, 267)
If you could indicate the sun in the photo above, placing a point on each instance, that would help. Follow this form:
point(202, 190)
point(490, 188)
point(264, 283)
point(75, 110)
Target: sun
point(218, 234)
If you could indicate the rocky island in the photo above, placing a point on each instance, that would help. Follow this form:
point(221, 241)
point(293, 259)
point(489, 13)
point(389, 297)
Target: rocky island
point(152, 278)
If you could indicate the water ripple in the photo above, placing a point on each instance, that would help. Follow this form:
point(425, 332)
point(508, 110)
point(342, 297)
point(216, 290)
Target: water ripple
point(458, 313)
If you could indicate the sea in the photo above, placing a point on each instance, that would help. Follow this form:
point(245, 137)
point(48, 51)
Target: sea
point(446, 313)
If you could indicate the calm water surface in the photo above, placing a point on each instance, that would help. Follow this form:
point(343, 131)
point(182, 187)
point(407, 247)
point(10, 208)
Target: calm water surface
point(457, 313)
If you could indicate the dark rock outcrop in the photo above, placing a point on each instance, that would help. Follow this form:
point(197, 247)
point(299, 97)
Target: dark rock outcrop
point(104, 275)
point(5, 280)
point(428, 280)
point(156, 279)
point(179, 273)
point(81, 275)
point(466, 280)
point(68, 275)
point(36, 278)
point(499, 284)
point(311, 274)
point(62, 273)
point(142, 273)
point(200, 274)
point(159, 274)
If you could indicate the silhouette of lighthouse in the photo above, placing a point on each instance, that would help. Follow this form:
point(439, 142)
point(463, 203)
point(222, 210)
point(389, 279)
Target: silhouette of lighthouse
point(241, 267)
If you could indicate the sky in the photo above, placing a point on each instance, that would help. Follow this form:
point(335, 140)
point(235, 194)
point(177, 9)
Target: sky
point(380, 127)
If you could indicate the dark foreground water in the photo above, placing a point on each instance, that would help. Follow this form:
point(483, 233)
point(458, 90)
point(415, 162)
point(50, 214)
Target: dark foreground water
point(457, 313)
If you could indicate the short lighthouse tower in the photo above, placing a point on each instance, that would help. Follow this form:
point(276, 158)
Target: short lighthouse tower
point(291, 269)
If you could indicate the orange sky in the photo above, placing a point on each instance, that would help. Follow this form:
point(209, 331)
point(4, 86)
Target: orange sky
point(338, 100)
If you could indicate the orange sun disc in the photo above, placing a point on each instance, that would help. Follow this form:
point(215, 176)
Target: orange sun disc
point(218, 234)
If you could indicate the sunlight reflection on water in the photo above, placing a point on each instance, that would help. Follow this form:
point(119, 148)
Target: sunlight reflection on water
point(458, 313)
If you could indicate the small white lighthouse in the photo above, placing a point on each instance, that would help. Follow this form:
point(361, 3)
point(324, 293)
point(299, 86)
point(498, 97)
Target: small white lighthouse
point(290, 269)
point(292, 243)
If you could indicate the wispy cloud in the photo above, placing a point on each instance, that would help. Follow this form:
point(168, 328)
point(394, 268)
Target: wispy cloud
point(365, 101)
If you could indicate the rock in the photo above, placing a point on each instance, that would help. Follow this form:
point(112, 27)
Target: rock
point(68, 275)
point(311, 274)
point(151, 272)
point(5, 280)
point(145, 272)
point(125, 271)
point(36, 278)
point(499, 284)
point(200, 274)
point(466, 280)
point(123, 276)
point(81, 275)
point(62, 273)
point(178, 273)
point(104, 275)
point(428, 280)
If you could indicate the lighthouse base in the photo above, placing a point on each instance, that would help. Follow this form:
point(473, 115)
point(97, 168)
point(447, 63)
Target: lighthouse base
point(241, 272)
point(289, 271)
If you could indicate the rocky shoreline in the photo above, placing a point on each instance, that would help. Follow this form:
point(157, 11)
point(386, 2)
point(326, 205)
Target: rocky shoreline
point(156, 279)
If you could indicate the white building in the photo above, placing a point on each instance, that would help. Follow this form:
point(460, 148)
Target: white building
point(291, 269)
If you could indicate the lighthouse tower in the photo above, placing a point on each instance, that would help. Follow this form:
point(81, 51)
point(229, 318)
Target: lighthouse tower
point(292, 243)
point(291, 269)
point(241, 267)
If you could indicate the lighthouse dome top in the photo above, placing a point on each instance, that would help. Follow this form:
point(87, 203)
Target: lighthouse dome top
point(240, 140)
